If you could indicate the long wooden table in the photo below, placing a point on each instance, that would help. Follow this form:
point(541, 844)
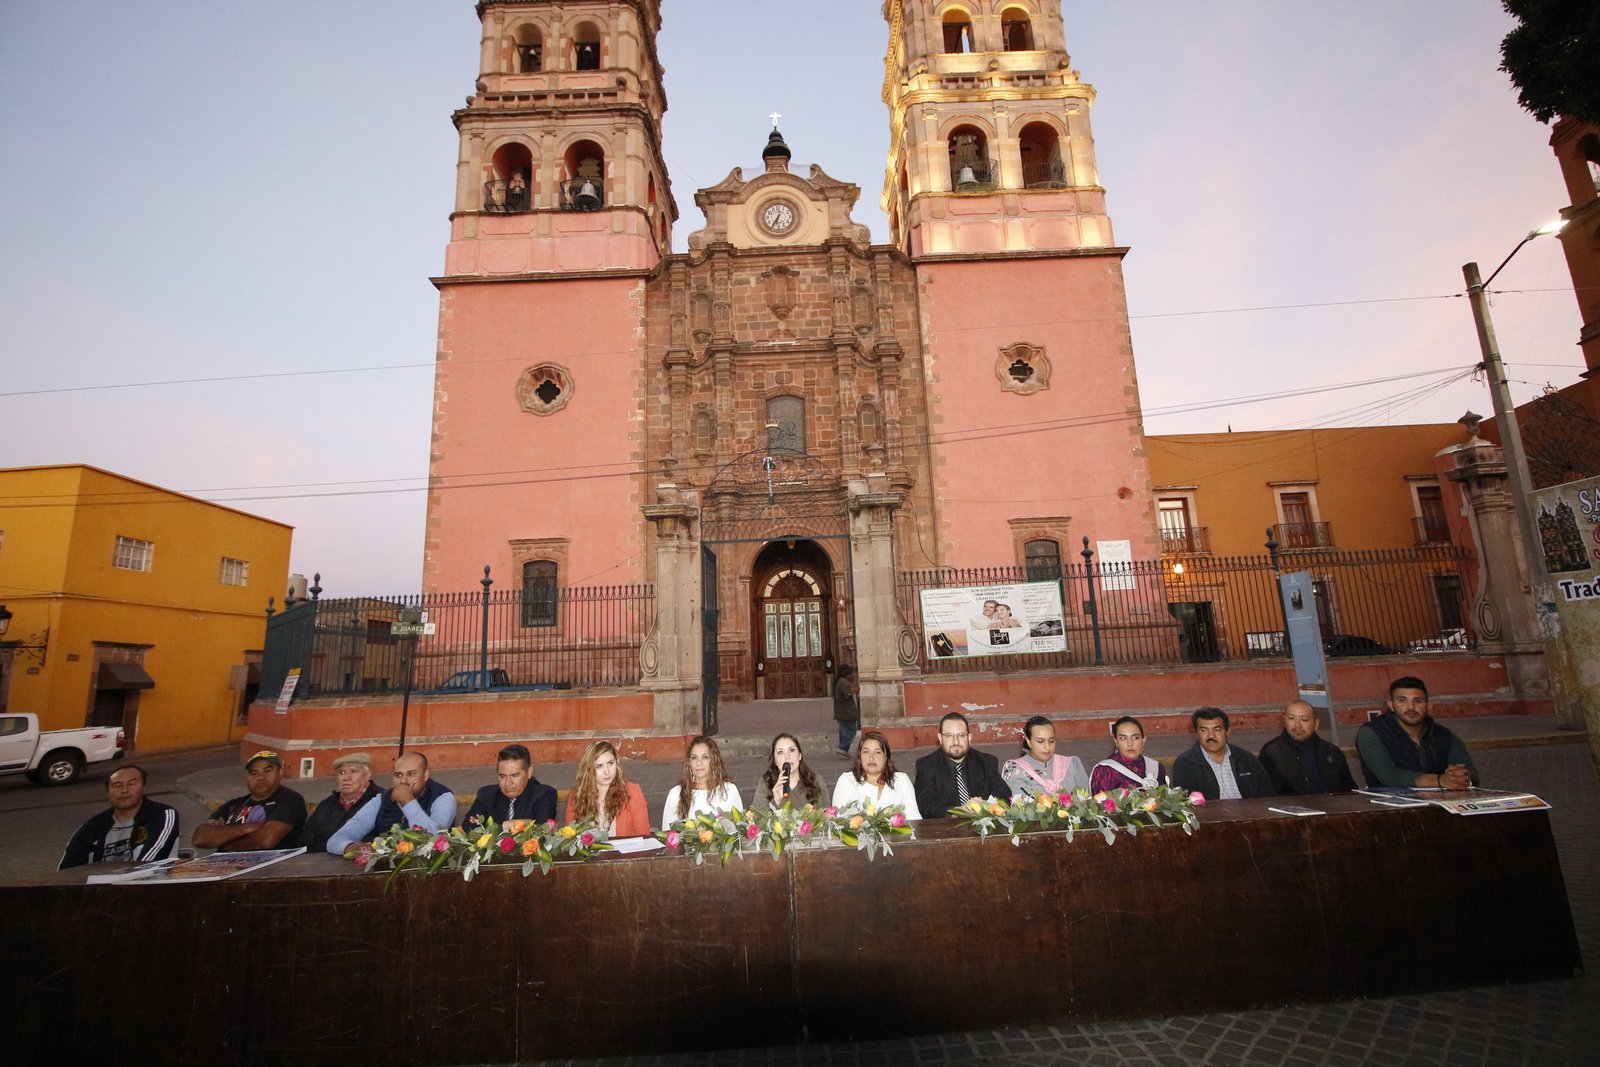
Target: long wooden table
point(310, 961)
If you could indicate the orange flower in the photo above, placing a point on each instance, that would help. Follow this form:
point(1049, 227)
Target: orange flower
point(1045, 800)
point(516, 826)
point(706, 836)
point(403, 847)
point(856, 821)
point(997, 809)
point(530, 846)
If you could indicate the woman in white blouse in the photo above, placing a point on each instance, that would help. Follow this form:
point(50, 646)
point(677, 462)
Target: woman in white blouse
point(874, 778)
point(703, 786)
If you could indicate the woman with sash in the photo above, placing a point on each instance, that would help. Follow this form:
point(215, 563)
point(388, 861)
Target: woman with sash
point(1127, 767)
point(703, 785)
point(604, 794)
point(1039, 769)
point(875, 780)
point(789, 779)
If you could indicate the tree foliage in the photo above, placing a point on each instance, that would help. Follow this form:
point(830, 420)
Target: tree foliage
point(1553, 57)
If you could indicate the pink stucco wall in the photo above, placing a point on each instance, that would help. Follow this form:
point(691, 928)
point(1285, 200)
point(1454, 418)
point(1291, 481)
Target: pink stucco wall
point(1070, 450)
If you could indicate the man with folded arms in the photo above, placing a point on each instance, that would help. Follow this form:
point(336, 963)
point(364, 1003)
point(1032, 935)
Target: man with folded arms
point(132, 830)
point(1212, 766)
point(957, 772)
point(1405, 747)
point(1300, 762)
point(355, 788)
point(270, 816)
point(415, 800)
point(519, 795)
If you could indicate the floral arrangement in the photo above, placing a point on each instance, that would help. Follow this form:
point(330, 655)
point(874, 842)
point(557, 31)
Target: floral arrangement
point(1110, 811)
point(732, 833)
point(533, 844)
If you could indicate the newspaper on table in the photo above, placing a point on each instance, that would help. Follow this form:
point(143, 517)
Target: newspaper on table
point(1456, 801)
point(212, 868)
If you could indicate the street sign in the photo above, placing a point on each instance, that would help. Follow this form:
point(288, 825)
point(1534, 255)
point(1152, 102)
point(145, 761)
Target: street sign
point(410, 629)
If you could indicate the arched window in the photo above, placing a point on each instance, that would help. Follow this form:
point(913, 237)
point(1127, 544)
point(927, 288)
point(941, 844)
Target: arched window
point(971, 170)
point(1042, 166)
point(1042, 559)
point(786, 424)
point(529, 50)
point(539, 597)
point(510, 190)
point(586, 47)
point(1016, 31)
point(584, 186)
point(958, 31)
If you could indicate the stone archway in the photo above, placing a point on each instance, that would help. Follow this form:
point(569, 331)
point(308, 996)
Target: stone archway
point(792, 639)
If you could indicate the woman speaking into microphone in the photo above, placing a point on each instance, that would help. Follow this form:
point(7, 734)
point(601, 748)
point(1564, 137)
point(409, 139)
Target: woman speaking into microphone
point(789, 780)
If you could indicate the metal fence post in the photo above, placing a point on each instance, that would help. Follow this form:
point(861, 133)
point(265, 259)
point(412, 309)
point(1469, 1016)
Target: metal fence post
point(483, 640)
point(1094, 610)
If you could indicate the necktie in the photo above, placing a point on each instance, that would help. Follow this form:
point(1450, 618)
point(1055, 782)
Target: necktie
point(961, 784)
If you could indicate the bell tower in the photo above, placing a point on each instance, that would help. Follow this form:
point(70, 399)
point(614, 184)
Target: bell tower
point(992, 191)
point(562, 209)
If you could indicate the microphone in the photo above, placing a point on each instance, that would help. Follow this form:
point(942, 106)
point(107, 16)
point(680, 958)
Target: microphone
point(786, 781)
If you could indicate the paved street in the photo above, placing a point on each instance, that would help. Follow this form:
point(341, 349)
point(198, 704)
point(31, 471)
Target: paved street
point(1538, 1023)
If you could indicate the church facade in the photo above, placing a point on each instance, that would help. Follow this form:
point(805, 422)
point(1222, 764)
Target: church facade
point(810, 412)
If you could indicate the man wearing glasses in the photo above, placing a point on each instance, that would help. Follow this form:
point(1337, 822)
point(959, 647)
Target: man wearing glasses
point(957, 772)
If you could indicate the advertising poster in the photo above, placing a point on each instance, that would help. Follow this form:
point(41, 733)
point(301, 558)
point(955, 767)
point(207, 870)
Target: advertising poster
point(993, 620)
point(1116, 564)
point(1567, 518)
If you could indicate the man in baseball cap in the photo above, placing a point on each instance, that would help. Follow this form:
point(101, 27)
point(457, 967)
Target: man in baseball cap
point(269, 816)
point(355, 788)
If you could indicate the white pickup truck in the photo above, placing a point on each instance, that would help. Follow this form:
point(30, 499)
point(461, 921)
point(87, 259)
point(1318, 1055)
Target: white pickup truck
point(54, 757)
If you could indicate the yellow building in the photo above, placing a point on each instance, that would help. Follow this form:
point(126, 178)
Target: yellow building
point(132, 605)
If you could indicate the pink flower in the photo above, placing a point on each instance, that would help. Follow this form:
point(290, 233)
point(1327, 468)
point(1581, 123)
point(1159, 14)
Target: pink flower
point(1064, 798)
point(587, 839)
point(898, 819)
point(1109, 804)
point(805, 828)
point(1198, 799)
point(752, 831)
point(363, 855)
point(1121, 793)
point(673, 838)
point(441, 843)
point(830, 812)
point(507, 844)
point(549, 824)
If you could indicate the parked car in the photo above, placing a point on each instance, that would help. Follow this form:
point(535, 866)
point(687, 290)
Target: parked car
point(494, 680)
point(54, 757)
point(1451, 640)
point(1354, 645)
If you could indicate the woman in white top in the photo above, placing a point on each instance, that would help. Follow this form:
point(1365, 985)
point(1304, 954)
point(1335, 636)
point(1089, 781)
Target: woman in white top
point(703, 787)
point(874, 778)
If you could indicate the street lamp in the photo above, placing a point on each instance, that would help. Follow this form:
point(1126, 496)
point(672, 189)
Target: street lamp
point(1505, 413)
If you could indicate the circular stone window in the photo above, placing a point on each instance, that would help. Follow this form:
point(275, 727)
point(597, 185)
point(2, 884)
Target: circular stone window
point(1022, 368)
point(545, 389)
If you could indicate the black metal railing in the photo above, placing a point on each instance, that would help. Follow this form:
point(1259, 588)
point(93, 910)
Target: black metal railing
point(1207, 608)
point(583, 194)
point(1431, 529)
point(973, 175)
point(1301, 535)
point(506, 197)
point(1045, 174)
point(1193, 541)
point(573, 638)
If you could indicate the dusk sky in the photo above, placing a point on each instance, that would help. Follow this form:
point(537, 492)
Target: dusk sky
point(198, 192)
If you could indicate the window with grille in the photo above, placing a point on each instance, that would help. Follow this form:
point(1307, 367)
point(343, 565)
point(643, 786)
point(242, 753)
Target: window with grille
point(1042, 558)
point(539, 593)
point(133, 555)
point(235, 572)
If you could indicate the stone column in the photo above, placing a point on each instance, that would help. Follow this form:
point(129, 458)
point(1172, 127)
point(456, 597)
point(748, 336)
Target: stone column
point(1502, 609)
point(886, 648)
point(670, 656)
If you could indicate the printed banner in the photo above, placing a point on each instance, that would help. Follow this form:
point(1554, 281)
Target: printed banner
point(993, 620)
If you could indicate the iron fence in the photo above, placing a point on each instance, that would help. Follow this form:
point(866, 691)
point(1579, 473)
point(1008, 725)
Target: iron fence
point(1219, 609)
point(539, 638)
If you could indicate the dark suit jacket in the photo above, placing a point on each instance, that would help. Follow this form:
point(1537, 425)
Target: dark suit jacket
point(1192, 771)
point(537, 802)
point(936, 781)
point(1281, 758)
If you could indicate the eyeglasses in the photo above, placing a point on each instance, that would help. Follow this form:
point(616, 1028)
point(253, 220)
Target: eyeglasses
point(954, 737)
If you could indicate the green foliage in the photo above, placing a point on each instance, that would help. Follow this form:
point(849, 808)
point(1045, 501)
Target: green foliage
point(1553, 57)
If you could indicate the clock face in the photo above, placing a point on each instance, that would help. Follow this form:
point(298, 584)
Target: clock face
point(779, 216)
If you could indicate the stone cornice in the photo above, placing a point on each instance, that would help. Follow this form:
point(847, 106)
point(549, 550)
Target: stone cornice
point(1002, 255)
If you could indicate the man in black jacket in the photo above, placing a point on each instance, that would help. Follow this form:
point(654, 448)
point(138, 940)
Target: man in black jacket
point(1300, 761)
point(517, 795)
point(353, 773)
point(1212, 766)
point(133, 829)
point(957, 772)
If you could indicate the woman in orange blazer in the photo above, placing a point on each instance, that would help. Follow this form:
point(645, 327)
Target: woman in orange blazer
point(603, 794)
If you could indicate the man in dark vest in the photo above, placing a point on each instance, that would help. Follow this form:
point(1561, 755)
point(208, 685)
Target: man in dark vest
point(354, 788)
point(1405, 747)
point(415, 800)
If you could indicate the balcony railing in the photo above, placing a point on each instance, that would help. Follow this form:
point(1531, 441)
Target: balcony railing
point(974, 175)
point(1193, 541)
point(583, 194)
point(506, 197)
point(1431, 529)
point(1049, 174)
point(1302, 535)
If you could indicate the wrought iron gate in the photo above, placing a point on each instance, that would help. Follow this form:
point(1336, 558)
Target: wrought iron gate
point(710, 661)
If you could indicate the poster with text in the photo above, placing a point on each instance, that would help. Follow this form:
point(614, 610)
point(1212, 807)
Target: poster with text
point(993, 620)
point(1116, 564)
